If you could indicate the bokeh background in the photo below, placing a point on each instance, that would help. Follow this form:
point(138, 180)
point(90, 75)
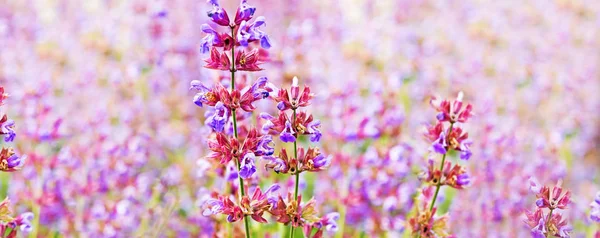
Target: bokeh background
point(100, 93)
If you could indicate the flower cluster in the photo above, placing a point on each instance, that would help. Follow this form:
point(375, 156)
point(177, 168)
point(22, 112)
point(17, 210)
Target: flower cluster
point(226, 143)
point(10, 162)
point(455, 138)
point(234, 142)
point(290, 128)
point(312, 161)
point(223, 102)
point(226, 148)
point(454, 176)
point(122, 163)
point(426, 223)
point(254, 206)
point(9, 225)
point(242, 34)
point(554, 199)
point(450, 174)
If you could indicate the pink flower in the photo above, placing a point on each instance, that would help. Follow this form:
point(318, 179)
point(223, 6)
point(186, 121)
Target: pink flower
point(226, 148)
point(285, 102)
point(247, 60)
point(218, 60)
point(553, 198)
point(452, 111)
point(3, 95)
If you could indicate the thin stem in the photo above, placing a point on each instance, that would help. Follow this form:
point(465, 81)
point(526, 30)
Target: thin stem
point(548, 221)
point(297, 173)
point(439, 183)
point(235, 133)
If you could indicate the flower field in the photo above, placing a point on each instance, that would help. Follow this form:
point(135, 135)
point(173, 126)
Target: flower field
point(300, 118)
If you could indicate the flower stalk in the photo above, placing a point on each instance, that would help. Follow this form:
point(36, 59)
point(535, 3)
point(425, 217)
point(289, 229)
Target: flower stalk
point(235, 134)
point(297, 173)
point(439, 182)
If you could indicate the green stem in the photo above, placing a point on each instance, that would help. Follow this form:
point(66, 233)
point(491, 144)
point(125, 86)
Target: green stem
point(235, 132)
point(297, 173)
point(439, 183)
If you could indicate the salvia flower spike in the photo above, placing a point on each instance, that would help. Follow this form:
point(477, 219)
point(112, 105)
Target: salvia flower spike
point(443, 140)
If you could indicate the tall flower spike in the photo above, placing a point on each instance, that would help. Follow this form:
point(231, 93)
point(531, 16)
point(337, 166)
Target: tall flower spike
point(227, 145)
point(218, 14)
point(552, 198)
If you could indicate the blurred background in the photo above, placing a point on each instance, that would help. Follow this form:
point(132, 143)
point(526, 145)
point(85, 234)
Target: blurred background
point(99, 90)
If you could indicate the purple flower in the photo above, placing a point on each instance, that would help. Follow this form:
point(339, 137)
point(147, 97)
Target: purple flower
point(213, 206)
point(250, 32)
point(287, 135)
point(200, 97)
point(247, 167)
point(232, 172)
point(540, 228)
point(321, 161)
point(276, 163)
point(564, 231)
point(463, 179)
point(271, 197)
point(465, 152)
point(7, 129)
point(15, 162)
point(218, 14)
point(23, 221)
point(161, 14)
point(219, 117)
point(439, 148)
point(535, 233)
point(258, 89)
point(10, 161)
point(266, 127)
point(244, 12)
point(595, 213)
point(534, 185)
point(212, 39)
point(439, 145)
point(440, 116)
point(264, 146)
point(539, 202)
point(315, 132)
point(281, 106)
point(330, 221)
